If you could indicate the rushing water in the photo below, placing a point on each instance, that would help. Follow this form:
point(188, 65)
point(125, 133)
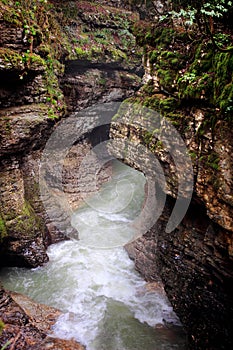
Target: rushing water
point(106, 304)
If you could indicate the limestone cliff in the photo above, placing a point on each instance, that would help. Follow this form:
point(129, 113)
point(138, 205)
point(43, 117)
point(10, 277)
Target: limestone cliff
point(189, 83)
point(55, 58)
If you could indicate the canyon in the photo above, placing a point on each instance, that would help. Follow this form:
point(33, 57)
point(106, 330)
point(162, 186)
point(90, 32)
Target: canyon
point(103, 53)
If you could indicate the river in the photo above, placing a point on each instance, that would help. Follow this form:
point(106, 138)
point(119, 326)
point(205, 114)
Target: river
point(107, 305)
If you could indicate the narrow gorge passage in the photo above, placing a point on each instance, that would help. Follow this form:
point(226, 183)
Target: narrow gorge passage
point(106, 303)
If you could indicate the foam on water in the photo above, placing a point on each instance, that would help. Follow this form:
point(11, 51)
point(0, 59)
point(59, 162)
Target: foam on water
point(103, 298)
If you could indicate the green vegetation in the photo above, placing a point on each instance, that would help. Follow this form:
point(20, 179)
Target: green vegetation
point(192, 71)
point(204, 17)
point(98, 32)
point(53, 32)
point(45, 43)
point(21, 62)
point(27, 222)
point(213, 161)
point(191, 65)
point(2, 326)
point(209, 77)
point(3, 232)
point(153, 144)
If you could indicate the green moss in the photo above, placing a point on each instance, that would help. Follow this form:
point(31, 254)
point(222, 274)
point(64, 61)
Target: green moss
point(197, 87)
point(151, 140)
point(102, 32)
point(166, 77)
point(196, 82)
point(170, 59)
point(221, 62)
point(148, 88)
point(209, 77)
point(118, 55)
point(193, 155)
point(153, 56)
point(151, 102)
point(10, 14)
point(5, 125)
point(167, 105)
point(102, 81)
point(2, 325)
point(226, 100)
point(203, 59)
point(3, 230)
point(45, 43)
point(21, 62)
point(223, 83)
point(11, 59)
point(177, 118)
point(162, 36)
point(158, 37)
point(55, 98)
point(81, 53)
point(213, 161)
point(27, 223)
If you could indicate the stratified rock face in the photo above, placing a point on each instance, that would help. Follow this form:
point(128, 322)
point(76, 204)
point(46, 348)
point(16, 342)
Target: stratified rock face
point(26, 324)
point(101, 66)
point(28, 87)
point(195, 260)
point(23, 231)
point(86, 83)
point(106, 63)
point(195, 263)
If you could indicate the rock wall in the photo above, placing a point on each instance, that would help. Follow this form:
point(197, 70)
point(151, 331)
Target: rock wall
point(30, 100)
point(48, 68)
point(55, 58)
point(86, 83)
point(67, 57)
point(194, 260)
point(26, 324)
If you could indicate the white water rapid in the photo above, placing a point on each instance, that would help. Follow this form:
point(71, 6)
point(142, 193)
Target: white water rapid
point(106, 303)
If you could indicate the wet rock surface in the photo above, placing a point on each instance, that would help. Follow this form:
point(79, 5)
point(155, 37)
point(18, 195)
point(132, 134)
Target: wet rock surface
point(86, 83)
point(26, 324)
point(196, 271)
point(195, 260)
point(31, 82)
point(31, 100)
point(23, 129)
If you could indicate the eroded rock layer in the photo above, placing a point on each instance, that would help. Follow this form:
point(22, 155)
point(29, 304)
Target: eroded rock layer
point(55, 58)
point(26, 324)
point(52, 61)
point(189, 83)
point(70, 55)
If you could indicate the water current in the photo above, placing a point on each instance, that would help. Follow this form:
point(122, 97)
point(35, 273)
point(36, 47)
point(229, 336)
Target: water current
point(106, 304)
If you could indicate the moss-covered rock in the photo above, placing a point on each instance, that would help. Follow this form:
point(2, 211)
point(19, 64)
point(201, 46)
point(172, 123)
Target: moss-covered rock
point(3, 230)
point(99, 32)
point(194, 71)
point(31, 51)
point(13, 60)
